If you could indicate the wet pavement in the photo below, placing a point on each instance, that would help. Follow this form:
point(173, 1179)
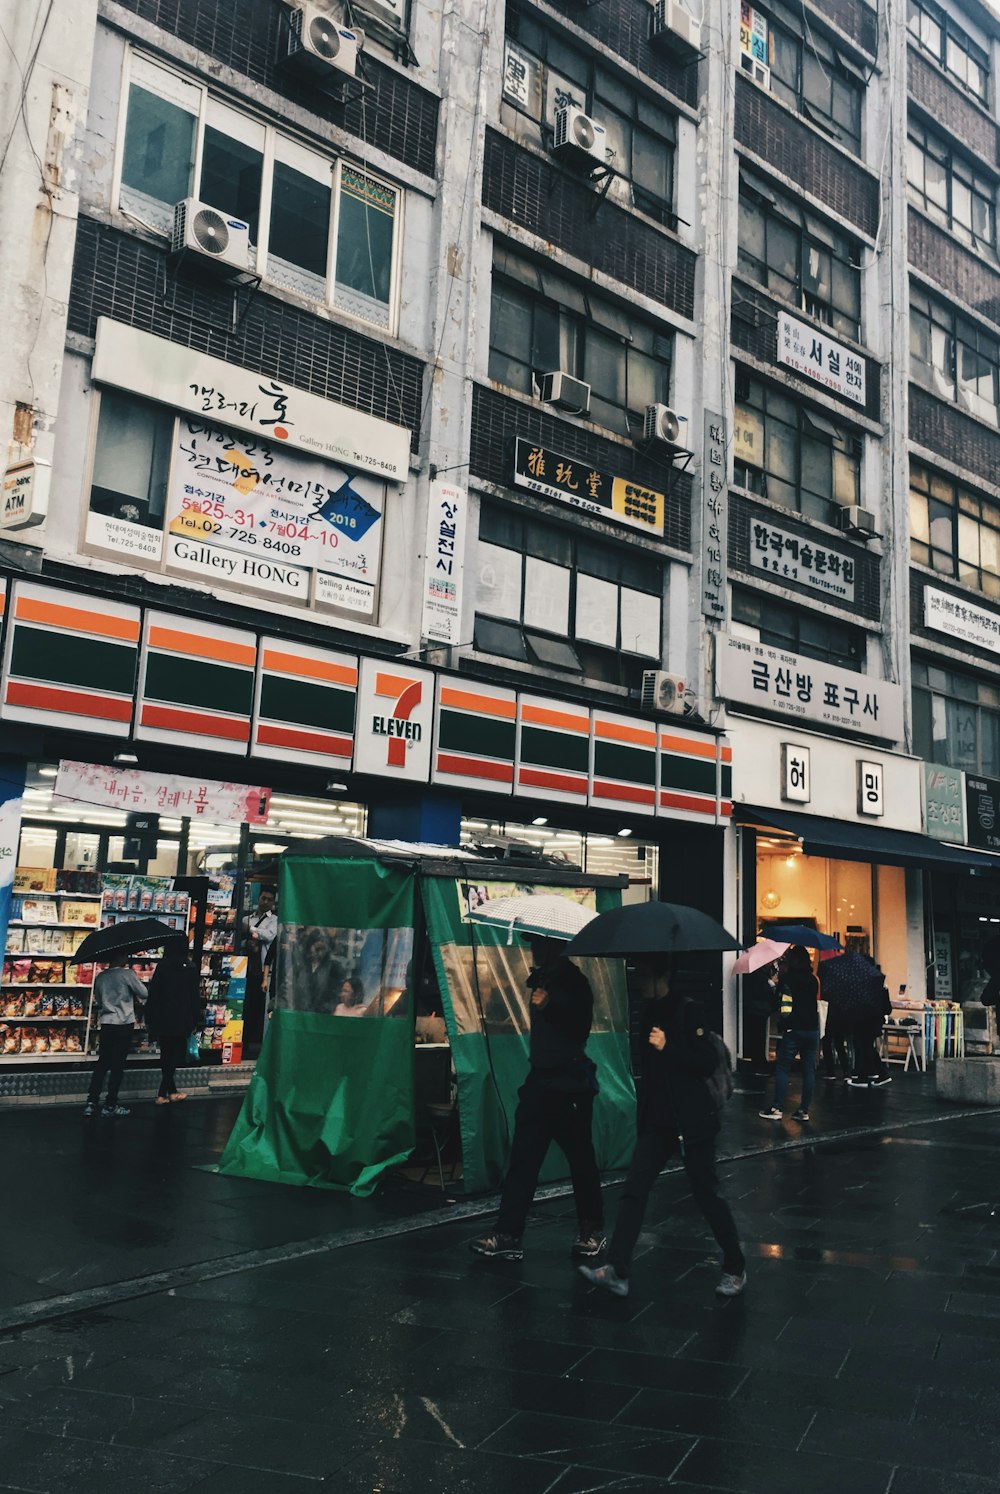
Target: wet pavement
point(860, 1359)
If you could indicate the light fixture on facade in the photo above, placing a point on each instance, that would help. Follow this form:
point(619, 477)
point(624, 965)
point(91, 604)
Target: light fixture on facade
point(624, 833)
point(48, 772)
point(126, 759)
point(540, 820)
point(333, 787)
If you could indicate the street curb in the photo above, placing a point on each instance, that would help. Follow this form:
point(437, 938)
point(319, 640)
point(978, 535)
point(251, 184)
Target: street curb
point(31, 1314)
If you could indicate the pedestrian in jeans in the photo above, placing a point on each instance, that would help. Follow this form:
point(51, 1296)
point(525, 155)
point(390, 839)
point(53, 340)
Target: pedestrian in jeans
point(555, 1103)
point(116, 990)
point(676, 1111)
point(173, 1011)
point(799, 1018)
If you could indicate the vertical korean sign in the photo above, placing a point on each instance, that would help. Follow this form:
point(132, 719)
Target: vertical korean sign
point(11, 805)
point(714, 517)
point(444, 551)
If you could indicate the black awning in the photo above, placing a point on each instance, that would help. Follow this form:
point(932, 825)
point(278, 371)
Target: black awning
point(846, 840)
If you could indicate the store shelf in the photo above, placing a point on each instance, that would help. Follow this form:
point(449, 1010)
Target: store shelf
point(45, 985)
point(38, 923)
point(78, 897)
point(34, 1058)
point(17, 1021)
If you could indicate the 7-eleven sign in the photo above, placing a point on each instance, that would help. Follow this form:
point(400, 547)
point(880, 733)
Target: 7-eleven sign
point(395, 720)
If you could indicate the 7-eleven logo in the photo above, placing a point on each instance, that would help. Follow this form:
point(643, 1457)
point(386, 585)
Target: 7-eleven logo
point(406, 695)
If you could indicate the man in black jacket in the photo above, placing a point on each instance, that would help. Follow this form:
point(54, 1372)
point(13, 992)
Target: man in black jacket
point(676, 1109)
point(555, 1103)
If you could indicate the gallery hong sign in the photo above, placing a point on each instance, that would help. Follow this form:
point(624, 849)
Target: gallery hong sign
point(791, 685)
point(568, 480)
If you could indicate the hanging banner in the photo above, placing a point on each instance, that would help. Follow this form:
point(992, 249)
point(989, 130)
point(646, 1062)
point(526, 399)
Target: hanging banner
point(134, 788)
point(443, 557)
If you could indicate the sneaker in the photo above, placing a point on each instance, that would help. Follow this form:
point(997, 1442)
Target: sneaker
point(800, 1115)
point(89, 1109)
point(503, 1247)
point(606, 1277)
point(770, 1115)
point(588, 1243)
point(731, 1284)
point(879, 1080)
point(114, 1112)
point(856, 1083)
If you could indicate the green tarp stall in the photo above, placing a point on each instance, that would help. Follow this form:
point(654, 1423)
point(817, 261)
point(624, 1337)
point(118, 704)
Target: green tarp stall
point(332, 1101)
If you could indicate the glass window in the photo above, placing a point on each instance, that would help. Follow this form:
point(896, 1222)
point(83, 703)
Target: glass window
point(158, 152)
point(365, 234)
point(300, 228)
point(944, 183)
point(807, 262)
point(954, 531)
point(941, 36)
point(815, 635)
point(786, 453)
point(131, 459)
point(956, 720)
point(806, 72)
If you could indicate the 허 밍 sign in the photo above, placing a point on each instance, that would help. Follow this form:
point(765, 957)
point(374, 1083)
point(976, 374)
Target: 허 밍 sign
point(569, 481)
point(818, 356)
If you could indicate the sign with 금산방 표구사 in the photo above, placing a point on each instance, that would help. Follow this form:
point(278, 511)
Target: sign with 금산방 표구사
point(754, 674)
point(944, 803)
point(443, 564)
point(789, 557)
point(960, 619)
point(818, 356)
point(567, 480)
point(982, 812)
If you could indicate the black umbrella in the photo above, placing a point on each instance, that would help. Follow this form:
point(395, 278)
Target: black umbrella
point(650, 928)
point(124, 938)
point(852, 984)
point(801, 933)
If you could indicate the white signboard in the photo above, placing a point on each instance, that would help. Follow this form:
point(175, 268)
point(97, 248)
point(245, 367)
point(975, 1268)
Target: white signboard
point(395, 719)
point(166, 793)
point(789, 557)
point(25, 495)
point(795, 773)
point(214, 390)
point(948, 614)
point(520, 77)
point(817, 356)
point(790, 685)
point(871, 793)
point(443, 556)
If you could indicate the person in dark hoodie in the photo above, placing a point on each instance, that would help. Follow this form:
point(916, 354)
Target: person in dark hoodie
point(676, 1111)
point(173, 1011)
point(799, 1018)
point(555, 1103)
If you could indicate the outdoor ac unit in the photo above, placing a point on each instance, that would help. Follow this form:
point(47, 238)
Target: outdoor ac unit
point(220, 242)
point(673, 29)
point(661, 424)
point(566, 392)
point(662, 692)
point(319, 45)
point(855, 520)
point(579, 137)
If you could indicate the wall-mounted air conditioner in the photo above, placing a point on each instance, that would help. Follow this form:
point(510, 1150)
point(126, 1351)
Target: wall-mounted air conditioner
point(674, 29)
point(855, 520)
point(220, 243)
point(578, 137)
point(568, 393)
point(662, 424)
point(319, 45)
point(662, 692)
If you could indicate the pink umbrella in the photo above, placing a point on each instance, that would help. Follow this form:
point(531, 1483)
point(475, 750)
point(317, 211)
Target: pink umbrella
point(764, 952)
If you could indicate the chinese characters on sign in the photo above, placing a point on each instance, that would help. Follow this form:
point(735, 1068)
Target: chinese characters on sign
point(816, 355)
point(795, 786)
point(948, 614)
point(577, 483)
point(714, 517)
point(133, 788)
point(871, 799)
point(519, 77)
point(982, 804)
point(791, 558)
point(790, 685)
point(443, 552)
point(944, 803)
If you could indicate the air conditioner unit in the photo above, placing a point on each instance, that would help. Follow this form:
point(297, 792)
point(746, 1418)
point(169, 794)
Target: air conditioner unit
point(579, 137)
point(661, 424)
point(761, 73)
point(220, 242)
point(568, 393)
point(673, 29)
point(855, 520)
point(319, 44)
point(662, 692)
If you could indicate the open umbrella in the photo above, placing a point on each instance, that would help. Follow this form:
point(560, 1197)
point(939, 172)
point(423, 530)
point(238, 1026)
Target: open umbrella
point(801, 933)
point(651, 928)
point(124, 938)
point(545, 914)
point(764, 952)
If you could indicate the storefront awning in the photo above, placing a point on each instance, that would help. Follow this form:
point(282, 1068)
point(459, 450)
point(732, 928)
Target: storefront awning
point(846, 840)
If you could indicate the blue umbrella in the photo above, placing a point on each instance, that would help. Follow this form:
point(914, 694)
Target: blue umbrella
point(801, 933)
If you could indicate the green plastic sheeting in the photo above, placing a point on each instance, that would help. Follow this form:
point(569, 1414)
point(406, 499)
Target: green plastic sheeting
point(331, 1103)
point(485, 1011)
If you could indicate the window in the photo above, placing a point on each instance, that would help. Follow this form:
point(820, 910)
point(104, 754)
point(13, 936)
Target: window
point(815, 635)
point(954, 356)
point(565, 601)
point(954, 531)
point(323, 229)
point(541, 322)
point(542, 73)
point(945, 185)
point(791, 454)
point(949, 45)
point(956, 719)
point(804, 69)
point(792, 252)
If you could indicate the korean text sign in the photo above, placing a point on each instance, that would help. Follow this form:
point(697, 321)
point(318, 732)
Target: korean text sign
point(443, 560)
point(789, 557)
point(819, 357)
point(578, 483)
point(790, 685)
point(206, 799)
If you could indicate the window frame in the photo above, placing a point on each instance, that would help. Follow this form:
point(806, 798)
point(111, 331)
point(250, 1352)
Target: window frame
point(952, 332)
point(325, 169)
point(966, 510)
point(957, 690)
point(949, 33)
point(834, 67)
point(768, 611)
point(960, 174)
point(811, 426)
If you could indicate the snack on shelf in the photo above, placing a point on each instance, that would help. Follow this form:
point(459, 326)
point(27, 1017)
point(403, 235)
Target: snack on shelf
point(8, 971)
point(20, 970)
point(78, 881)
point(31, 1002)
point(34, 879)
point(41, 1036)
point(44, 1004)
point(75, 1004)
point(84, 974)
point(15, 941)
point(10, 1039)
point(12, 1004)
point(74, 1042)
point(39, 910)
point(57, 1040)
point(86, 914)
point(61, 1005)
point(46, 972)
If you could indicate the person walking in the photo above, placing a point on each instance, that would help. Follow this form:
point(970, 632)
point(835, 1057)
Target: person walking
point(555, 1103)
point(799, 1019)
point(676, 1111)
point(259, 930)
point(116, 990)
point(173, 1011)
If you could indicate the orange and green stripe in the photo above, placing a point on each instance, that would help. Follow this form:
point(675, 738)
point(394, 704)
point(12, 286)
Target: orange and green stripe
point(475, 735)
point(306, 703)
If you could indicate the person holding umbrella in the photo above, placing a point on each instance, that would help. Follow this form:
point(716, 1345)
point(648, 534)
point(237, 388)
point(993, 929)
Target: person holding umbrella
point(173, 1011)
point(799, 1018)
point(116, 990)
point(855, 988)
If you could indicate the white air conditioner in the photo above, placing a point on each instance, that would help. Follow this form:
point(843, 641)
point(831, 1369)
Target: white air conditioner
point(219, 241)
point(579, 137)
point(855, 520)
point(662, 692)
point(568, 393)
point(761, 73)
point(661, 424)
point(319, 44)
point(673, 29)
